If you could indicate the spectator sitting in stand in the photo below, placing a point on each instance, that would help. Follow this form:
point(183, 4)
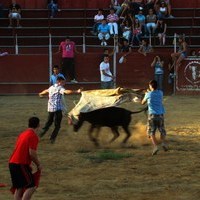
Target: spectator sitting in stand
point(103, 30)
point(145, 48)
point(141, 19)
point(126, 30)
point(112, 20)
point(135, 6)
point(137, 33)
point(14, 13)
point(161, 30)
point(97, 21)
point(116, 5)
point(124, 8)
point(53, 7)
point(148, 4)
point(162, 12)
point(181, 54)
point(168, 5)
point(55, 75)
point(151, 21)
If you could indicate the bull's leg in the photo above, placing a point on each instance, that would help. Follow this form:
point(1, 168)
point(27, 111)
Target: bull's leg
point(128, 134)
point(93, 139)
point(115, 132)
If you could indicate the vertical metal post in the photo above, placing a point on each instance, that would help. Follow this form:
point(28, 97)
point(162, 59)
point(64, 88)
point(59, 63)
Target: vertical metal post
point(115, 63)
point(84, 46)
point(16, 45)
point(50, 56)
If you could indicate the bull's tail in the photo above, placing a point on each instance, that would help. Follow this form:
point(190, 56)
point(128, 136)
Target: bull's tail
point(139, 111)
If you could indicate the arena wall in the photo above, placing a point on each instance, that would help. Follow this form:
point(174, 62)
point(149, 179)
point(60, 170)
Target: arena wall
point(29, 74)
point(41, 4)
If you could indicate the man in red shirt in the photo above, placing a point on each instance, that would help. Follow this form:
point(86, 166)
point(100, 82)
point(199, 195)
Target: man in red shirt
point(25, 152)
point(68, 49)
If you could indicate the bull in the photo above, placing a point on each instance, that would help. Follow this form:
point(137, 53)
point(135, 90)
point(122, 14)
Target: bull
point(112, 117)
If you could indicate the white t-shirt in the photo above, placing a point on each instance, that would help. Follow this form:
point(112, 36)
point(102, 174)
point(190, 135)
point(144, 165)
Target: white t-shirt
point(106, 67)
point(98, 17)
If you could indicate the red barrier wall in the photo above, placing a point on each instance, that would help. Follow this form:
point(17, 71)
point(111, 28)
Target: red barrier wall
point(25, 71)
point(39, 4)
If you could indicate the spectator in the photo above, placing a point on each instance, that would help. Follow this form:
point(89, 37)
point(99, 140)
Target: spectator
point(162, 12)
point(126, 30)
point(112, 20)
point(116, 5)
point(124, 8)
point(158, 66)
point(145, 48)
point(171, 73)
point(24, 154)
point(14, 13)
point(181, 54)
point(55, 106)
point(135, 6)
point(104, 30)
point(161, 30)
point(154, 99)
point(128, 17)
point(168, 5)
point(141, 19)
point(107, 53)
point(55, 75)
point(126, 50)
point(97, 21)
point(137, 33)
point(151, 22)
point(106, 75)
point(68, 49)
point(193, 53)
point(53, 7)
point(1, 10)
point(148, 4)
point(3, 54)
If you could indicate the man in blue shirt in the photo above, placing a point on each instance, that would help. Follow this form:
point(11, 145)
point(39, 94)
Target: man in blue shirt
point(154, 99)
point(104, 31)
point(55, 75)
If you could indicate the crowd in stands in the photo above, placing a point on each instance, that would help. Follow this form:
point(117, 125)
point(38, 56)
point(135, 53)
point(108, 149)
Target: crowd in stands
point(132, 20)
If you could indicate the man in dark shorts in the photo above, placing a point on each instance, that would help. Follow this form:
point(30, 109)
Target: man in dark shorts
point(25, 152)
point(154, 99)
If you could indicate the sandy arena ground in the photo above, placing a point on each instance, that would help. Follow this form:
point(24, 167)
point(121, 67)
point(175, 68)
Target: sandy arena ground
point(69, 173)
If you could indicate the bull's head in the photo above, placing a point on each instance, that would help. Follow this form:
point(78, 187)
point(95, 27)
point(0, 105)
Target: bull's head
point(78, 124)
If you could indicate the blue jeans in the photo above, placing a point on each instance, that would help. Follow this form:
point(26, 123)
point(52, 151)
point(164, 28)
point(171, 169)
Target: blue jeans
point(53, 8)
point(159, 79)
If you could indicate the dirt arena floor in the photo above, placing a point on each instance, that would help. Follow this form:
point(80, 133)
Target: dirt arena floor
point(73, 170)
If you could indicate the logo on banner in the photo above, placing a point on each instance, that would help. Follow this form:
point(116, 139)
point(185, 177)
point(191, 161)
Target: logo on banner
point(192, 72)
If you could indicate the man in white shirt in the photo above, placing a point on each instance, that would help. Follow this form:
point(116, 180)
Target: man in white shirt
point(106, 75)
point(55, 106)
point(97, 21)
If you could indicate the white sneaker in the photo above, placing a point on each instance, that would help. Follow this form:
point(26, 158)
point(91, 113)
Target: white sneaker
point(102, 43)
point(155, 151)
point(74, 81)
point(105, 43)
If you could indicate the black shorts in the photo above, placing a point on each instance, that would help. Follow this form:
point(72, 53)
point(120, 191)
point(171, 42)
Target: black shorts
point(21, 176)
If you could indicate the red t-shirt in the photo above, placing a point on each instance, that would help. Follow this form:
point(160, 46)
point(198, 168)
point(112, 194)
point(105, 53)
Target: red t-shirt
point(25, 141)
point(68, 49)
